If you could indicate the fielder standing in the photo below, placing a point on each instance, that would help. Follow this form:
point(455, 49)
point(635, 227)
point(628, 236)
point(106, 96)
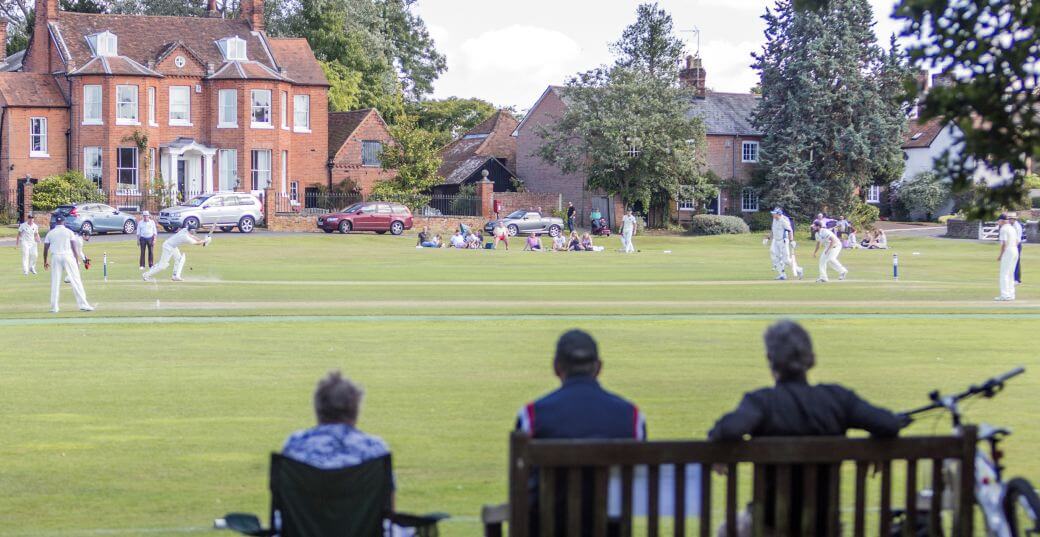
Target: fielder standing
point(171, 250)
point(782, 236)
point(831, 249)
point(628, 228)
point(1008, 258)
point(791, 244)
point(27, 239)
point(60, 241)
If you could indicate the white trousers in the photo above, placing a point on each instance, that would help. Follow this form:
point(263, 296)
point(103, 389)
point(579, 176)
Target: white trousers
point(626, 242)
point(1007, 273)
point(29, 253)
point(780, 255)
point(830, 257)
point(68, 264)
point(164, 261)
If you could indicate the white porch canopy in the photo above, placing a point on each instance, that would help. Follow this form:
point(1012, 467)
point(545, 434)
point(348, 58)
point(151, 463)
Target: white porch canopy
point(187, 149)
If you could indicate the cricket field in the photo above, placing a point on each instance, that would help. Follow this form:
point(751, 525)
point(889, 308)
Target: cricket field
point(156, 413)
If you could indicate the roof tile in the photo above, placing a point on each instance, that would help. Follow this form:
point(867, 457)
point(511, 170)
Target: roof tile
point(31, 90)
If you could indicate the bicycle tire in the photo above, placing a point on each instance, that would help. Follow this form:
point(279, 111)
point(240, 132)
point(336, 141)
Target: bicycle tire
point(1019, 490)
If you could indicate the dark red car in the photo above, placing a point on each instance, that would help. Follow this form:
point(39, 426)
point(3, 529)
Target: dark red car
point(378, 216)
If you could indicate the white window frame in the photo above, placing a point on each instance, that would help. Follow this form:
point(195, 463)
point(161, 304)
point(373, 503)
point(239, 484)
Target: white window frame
point(254, 107)
point(379, 161)
point(284, 110)
point(285, 170)
point(257, 173)
point(745, 149)
point(93, 109)
point(873, 194)
point(38, 137)
point(151, 107)
point(227, 113)
point(686, 205)
point(90, 171)
point(153, 154)
point(302, 113)
point(104, 44)
point(294, 191)
point(234, 49)
point(123, 187)
point(749, 202)
point(122, 100)
point(186, 121)
point(227, 174)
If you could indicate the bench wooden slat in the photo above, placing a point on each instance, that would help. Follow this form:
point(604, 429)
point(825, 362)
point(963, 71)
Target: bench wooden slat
point(626, 501)
point(705, 521)
point(834, 506)
point(519, 477)
point(935, 508)
point(601, 478)
point(860, 509)
point(574, 501)
point(731, 500)
point(885, 507)
point(653, 488)
point(783, 501)
point(911, 499)
point(758, 502)
point(809, 495)
point(679, 527)
point(547, 501)
point(965, 516)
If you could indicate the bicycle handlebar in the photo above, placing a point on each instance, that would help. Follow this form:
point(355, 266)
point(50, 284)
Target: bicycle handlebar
point(987, 389)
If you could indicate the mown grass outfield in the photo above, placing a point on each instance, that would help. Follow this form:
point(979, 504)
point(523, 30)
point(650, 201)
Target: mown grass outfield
point(156, 413)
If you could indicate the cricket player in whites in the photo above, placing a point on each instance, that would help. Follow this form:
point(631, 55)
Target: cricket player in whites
point(28, 237)
point(171, 249)
point(831, 249)
point(782, 239)
point(59, 241)
point(1008, 258)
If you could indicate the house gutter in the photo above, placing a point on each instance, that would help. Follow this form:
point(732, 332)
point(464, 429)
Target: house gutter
point(3, 168)
point(68, 133)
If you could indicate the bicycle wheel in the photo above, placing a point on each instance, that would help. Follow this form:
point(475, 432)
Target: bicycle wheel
point(1021, 507)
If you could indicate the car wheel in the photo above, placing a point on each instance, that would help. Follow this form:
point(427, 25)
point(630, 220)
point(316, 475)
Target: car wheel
point(344, 226)
point(328, 230)
point(87, 228)
point(227, 229)
point(513, 230)
point(554, 230)
point(245, 225)
point(191, 223)
point(397, 228)
point(130, 226)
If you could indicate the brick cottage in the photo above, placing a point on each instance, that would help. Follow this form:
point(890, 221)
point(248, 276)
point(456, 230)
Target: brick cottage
point(205, 103)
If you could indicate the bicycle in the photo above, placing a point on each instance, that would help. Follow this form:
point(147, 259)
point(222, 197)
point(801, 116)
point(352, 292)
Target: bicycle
point(1004, 504)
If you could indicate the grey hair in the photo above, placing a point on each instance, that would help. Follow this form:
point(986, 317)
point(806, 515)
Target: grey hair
point(337, 399)
point(789, 350)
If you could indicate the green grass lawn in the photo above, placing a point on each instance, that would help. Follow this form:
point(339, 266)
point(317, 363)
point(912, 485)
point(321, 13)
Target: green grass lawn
point(156, 413)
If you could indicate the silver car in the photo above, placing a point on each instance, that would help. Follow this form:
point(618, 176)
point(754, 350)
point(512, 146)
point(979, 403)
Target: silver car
point(527, 222)
point(226, 210)
point(91, 218)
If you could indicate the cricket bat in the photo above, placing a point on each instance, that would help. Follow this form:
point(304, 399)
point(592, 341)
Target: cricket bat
point(209, 236)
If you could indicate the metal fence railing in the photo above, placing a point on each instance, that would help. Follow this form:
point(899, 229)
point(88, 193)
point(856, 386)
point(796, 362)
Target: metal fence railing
point(8, 206)
point(133, 201)
point(452, 205)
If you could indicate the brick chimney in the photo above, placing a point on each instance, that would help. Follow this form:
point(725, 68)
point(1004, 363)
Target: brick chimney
point(211, 9)
point(694, 76)
point(38, 57)
point(253, 12)
point(3, 39)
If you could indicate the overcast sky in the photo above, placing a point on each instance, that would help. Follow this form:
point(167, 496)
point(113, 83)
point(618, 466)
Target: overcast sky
point(508, 51)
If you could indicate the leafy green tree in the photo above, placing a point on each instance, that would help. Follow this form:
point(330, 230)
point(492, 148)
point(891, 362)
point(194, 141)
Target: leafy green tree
point(831, 109)
point(449, 118)
point(64, 189)
point(989, 49)
point(626, 125)
point(923, 193)
point(415, 158)
point(412, 49)
point(344, 86)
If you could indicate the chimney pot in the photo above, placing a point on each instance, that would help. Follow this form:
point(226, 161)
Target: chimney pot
point(37, 58)
point(211, 9)
point(694, 76)
point(253, 12)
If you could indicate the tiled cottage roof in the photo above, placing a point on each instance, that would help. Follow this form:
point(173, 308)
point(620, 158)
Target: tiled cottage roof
point(492, 138)
point(296, 56)
point(114, 65)
point(245, 71)
point(922, 134)
point(727, 114)
point(342, 125)
point(30, 90)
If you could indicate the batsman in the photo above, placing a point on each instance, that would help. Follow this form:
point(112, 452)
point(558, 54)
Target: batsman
point(781, 240)
point(171, 250)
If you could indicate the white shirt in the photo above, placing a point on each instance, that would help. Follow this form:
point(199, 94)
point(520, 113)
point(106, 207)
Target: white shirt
point(178, 239)
point(79, 245)
point(1009, 236)
point(826, 236)
point(27, 232)
point(1020, 229)
point(457, 241)
point(146, 229)
point(60, 240)
point(781, 228)
point(628, 224)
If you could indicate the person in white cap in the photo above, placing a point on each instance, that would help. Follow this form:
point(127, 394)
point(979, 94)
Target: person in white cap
point(831, 249)
point(1008, 258)
point(146, 233)
point(59, 241)
point(171, 249)
point(781, 237)
point(27, 239)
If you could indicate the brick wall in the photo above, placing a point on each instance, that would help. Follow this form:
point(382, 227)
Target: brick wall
point(512, 201)
point(17, 163)
point(347, 164)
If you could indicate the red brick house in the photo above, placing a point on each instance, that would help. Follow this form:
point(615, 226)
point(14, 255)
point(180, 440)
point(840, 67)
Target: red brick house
point(356, 139)
point(488, 146)
point(732, 146)
point(222, 105)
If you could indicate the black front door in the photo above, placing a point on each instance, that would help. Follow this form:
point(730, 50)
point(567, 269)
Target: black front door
point(182, 180)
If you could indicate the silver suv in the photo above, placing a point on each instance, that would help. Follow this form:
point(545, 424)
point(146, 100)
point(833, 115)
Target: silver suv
point(226, 210)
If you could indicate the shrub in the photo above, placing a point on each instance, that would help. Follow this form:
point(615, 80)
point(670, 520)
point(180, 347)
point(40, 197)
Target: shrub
point(760, 221)
point(864, 216)
point(712, 224)
point(65, 189)
point(923, 193)
point(944, 219)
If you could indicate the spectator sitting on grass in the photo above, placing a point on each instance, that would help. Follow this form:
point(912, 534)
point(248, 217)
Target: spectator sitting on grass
point(425, 240)
point(575, 243)
point(586, 242)
point(474, 241)
point(501, 235)
point(559, 243)
point(457, 240)
point(533, 243)
point(437, 242)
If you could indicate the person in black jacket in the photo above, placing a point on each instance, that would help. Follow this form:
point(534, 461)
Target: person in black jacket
point(793, 407)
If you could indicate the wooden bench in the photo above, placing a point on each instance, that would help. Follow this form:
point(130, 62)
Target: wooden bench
point(573, 461)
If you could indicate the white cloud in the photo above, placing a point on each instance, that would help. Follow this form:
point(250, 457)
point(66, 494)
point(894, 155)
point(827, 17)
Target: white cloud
point(519, 48)
point(728, 65)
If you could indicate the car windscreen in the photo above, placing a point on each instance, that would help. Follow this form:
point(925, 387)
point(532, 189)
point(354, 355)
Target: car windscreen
point(517, 214)
point(196, 201)
point(63, 209)
point(353, 208)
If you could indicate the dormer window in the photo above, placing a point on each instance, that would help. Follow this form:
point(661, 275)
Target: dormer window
point(104, 44)
point(234, 48)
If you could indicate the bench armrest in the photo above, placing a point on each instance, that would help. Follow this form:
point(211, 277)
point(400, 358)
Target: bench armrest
point(244, 523)
point(409, 520)
point(493, 517)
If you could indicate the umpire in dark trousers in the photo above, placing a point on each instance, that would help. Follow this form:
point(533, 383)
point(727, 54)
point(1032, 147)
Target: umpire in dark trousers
point(579, 409)
point(146, 232)
point(1021, 239)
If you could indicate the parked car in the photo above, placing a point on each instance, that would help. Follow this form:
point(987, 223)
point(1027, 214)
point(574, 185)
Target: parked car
point(92, 218)
point(528, 221)
point(226, 210)
point(375, 216)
